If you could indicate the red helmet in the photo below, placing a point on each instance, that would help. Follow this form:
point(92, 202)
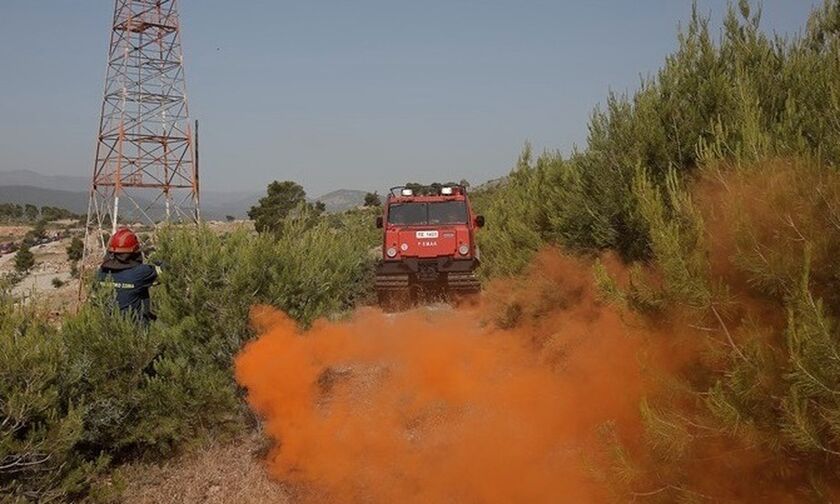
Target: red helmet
point(123, 241)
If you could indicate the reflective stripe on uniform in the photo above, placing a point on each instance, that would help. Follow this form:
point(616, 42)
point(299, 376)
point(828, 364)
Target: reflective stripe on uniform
point(118, 285)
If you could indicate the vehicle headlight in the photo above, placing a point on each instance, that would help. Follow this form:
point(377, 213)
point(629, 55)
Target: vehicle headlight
point(464, 250)
point(392, 252)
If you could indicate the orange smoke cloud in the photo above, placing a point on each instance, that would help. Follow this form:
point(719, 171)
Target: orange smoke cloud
point(440, 405)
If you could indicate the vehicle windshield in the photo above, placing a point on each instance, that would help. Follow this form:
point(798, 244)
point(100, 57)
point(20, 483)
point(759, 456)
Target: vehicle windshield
point(413, 214)
point(448, 212)
point(407, 214)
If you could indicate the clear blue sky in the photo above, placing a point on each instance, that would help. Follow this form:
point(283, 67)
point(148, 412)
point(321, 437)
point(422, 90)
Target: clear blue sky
point(361, 94)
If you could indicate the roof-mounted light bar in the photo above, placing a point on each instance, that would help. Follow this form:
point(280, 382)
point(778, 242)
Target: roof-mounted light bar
point(432, 190)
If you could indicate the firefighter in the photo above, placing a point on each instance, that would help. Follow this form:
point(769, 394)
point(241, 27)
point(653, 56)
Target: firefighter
point(131, 279)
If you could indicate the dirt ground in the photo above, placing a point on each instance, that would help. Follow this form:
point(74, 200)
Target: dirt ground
point(12, 233)
point(228, 472)
point(50, 263)
point(227, 227)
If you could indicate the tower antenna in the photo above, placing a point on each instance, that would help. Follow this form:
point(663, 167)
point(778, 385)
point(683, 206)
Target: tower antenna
point(145, 170)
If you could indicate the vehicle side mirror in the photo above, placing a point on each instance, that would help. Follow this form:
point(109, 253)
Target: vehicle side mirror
point(380, 222)
point(479, 221)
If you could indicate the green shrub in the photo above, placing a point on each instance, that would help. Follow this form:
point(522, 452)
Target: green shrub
point(283, 200)
point(784, 230)
point(321, 270)
point(40, 424)
point(211, 281)
point(745, 97)
point(103, 389)
point(518, 216)
point(24, 259)
point(372, 200)
point(713, 125)
point(209, 284)
point(75, 249)
point(110, 360)
point(77, 398)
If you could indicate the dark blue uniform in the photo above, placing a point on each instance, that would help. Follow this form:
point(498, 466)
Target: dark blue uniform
point(132, 288)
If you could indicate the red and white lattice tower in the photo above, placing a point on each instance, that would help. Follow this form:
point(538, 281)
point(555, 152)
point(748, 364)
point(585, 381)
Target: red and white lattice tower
point(146, 166)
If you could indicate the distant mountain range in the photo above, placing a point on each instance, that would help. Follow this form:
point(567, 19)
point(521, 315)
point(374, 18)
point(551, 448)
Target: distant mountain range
point(71, 192)
point(342, 200)
point(74, 201)
point(34, 179)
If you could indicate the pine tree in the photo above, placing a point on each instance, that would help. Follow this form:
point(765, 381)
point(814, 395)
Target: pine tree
point(75, 249)
point(372, 200)
point(271, 211)
point(24, 259)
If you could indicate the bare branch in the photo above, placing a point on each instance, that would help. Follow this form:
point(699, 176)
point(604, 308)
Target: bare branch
point(728, 335)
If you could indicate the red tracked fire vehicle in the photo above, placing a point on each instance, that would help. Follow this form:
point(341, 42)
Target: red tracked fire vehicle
point(428, 244)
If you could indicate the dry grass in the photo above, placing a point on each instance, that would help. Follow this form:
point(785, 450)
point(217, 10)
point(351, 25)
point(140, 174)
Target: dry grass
point(12, 233)
point(232, 472)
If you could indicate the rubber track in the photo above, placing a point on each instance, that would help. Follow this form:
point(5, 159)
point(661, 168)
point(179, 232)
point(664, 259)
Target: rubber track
point(463, 282)
point(391, 282)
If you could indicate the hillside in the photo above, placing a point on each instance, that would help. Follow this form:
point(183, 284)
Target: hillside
point(75, 201)
point(342, 200)
point(71, 192)
point(54, 182)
